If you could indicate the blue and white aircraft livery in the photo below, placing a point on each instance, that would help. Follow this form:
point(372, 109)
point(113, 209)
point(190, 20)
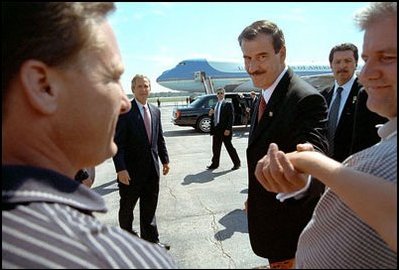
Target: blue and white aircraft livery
point(190, 75)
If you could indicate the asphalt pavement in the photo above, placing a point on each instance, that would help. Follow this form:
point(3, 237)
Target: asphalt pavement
point(200, 212)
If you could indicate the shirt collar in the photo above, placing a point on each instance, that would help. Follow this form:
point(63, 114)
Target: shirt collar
point(267, 93)
point(139, 103)
point(346, 86)
point(389, 129)
point(25, 184)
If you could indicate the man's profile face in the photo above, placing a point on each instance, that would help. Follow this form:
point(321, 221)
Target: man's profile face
point(92, 101)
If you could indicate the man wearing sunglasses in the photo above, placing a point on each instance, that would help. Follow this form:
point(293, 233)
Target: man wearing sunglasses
point(221, 131)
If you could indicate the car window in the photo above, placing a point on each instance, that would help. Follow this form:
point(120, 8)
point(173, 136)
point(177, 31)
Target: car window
point(212, 102)
point(197, 102)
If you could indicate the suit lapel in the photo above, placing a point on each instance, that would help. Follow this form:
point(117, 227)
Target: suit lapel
point(222, 107)
point(153, 122)
point(139, 121)
point(277, 97)
point(350, 105)
point(328, 96)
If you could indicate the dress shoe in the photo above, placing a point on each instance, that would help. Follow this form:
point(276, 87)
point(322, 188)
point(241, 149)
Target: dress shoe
point(134, 233)
point(235, 167)
point(162, 245)
point(211, 167)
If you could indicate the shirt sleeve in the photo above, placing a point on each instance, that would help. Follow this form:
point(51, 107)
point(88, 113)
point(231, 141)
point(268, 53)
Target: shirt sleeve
point(282, 196)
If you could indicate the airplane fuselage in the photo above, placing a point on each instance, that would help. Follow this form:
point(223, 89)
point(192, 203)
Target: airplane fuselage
point(189, 75)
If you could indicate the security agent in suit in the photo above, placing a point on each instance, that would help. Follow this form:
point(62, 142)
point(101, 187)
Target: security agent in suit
point(252, 103)
point(221, 131)
point(295, 113)
point(356, 125)
point(136, 162)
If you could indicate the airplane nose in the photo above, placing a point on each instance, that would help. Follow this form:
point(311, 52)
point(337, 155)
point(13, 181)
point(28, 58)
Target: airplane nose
point(159, 79)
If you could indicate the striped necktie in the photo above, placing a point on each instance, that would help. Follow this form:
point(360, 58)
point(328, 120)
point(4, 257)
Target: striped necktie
point(333, 120)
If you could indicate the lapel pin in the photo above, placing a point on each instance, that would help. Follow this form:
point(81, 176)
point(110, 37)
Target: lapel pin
point(354, 99)
point(270, 114)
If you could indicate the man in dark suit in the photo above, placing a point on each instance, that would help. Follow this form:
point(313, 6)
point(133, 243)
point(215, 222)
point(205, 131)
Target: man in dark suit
point(222, 131)
point(252, 103)
point(289, 111)
point(136, 162)
point(356, 125)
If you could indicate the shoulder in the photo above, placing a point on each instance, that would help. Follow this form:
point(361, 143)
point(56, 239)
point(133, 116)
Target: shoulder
point(300, 88)
point(327, 89)
point(227, 104)
point(114, 240)
point(138, 253)
point(154, 108)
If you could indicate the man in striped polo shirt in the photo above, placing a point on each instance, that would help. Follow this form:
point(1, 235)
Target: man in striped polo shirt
point(354, 224)
point(61, 98)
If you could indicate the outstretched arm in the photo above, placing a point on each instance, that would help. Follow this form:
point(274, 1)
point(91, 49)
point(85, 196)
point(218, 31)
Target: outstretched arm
point(354, 187)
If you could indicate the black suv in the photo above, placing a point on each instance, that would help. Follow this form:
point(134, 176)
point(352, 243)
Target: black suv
point(196, 113)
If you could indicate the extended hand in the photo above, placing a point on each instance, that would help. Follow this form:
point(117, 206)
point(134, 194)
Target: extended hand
point(277, 174)
point(211, 111)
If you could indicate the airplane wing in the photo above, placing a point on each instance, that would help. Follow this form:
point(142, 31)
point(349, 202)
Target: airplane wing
point(321, 81)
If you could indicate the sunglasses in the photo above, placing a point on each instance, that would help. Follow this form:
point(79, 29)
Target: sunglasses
point(219, 93)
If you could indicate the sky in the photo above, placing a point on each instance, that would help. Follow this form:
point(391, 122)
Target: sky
point(156, 36)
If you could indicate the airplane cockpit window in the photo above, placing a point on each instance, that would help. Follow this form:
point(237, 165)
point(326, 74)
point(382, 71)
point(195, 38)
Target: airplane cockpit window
point(181, 63)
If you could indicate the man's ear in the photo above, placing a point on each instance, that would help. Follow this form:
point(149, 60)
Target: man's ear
point(37, 86)
point(283, 53)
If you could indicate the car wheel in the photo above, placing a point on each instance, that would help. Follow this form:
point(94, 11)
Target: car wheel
point(204, 124)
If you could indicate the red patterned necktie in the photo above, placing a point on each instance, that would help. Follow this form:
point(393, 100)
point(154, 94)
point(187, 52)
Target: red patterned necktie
point(262, 107)
point(147, 122)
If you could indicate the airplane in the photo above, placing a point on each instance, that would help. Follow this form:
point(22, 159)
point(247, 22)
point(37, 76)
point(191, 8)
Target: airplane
point(194, 75)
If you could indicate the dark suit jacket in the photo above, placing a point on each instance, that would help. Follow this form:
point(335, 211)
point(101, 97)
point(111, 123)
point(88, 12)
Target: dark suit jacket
point(252, 103)
point(226, 119)
point(356, 127)
point(296, 113)
point(135, 154)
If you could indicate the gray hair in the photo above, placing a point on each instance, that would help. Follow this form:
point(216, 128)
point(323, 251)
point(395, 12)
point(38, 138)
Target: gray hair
point(55, 33)
point(375, 12)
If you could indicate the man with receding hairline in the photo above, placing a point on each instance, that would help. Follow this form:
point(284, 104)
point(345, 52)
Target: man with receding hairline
point(289, 111)
point(60, 101)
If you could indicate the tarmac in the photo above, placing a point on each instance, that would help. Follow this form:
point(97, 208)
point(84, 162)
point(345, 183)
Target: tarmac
point(200, 212)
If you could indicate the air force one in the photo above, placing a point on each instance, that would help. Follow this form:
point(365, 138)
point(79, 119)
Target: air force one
point(195, 75)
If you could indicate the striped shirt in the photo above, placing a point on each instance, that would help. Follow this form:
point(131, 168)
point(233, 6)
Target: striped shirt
point(336, 237)
point(47, 222)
